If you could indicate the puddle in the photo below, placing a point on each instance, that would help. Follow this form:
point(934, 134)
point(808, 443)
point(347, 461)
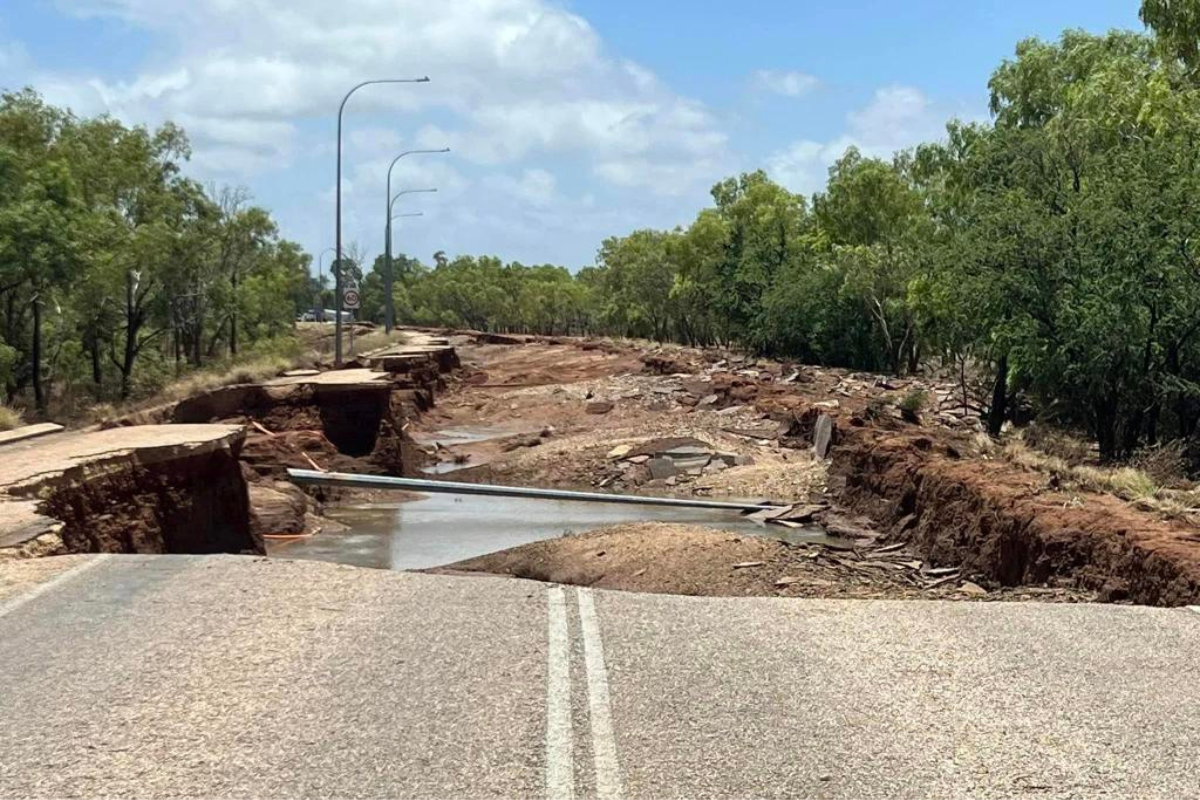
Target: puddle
point(467, 434)
point(446, 467)
point(443, 528)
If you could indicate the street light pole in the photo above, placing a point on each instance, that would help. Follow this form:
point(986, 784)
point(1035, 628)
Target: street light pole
point(389, 310)
point(388, 277)
point(337, 357)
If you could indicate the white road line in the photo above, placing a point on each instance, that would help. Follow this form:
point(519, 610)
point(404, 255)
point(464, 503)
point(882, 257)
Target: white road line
point(604, 745)
point(560, 740)
point(58, 580)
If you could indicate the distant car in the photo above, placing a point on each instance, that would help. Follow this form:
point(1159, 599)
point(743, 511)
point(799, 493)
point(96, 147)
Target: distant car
point(327, 315)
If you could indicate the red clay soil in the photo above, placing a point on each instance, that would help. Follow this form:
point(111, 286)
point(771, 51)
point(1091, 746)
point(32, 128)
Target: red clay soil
point(1008, 524)
point(665, 558)
point(196, 504)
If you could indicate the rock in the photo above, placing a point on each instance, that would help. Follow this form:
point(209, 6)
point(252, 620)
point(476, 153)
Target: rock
point(599, 407)
point(828, 404)
point(709, 400)
point(973, 589)
point(522, 441)
point(743, 461)
point(661, 468)
point(620, 451)
point(787, 580)
point(277, 507)
point(715, 466)
point(686, 464)
point(642, 459)
point(822, 435)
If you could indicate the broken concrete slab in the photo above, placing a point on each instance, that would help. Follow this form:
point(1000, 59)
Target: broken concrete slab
point(661, 468)
point(822, 435)
point(26, 432)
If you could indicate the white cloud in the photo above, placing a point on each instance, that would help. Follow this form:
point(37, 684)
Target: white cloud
point(788, 84)
point(897, 117)
point(519, 88)
point(512, 79)
point(536, 187)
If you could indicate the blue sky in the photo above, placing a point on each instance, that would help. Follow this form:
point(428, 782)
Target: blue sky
point(568, 121)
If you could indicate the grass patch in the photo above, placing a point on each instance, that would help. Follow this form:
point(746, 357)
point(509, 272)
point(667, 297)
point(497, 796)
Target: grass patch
point(10, 418)
point(255, 370)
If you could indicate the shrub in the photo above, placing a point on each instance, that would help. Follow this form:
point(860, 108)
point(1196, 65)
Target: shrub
point(9, 418)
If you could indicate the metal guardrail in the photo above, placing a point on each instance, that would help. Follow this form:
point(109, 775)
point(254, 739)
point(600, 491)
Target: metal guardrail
point(312, 477)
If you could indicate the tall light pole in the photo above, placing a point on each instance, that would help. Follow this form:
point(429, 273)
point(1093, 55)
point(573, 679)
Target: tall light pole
point(337, 356)
point(318, 306)
point(389, 309)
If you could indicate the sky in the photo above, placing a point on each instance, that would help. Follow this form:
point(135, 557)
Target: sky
point(568, 120)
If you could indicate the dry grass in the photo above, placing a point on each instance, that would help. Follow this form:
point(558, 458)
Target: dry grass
point(1137, 485)
point(253, 371)
point(10, 418)
point(376, 340)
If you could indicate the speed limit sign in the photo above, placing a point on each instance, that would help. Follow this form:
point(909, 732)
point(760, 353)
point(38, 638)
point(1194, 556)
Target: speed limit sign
point(350, 299)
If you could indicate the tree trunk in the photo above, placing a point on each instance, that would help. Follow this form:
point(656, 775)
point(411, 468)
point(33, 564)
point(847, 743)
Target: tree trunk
point(999, 409)
point(131, 331)
point(93, 345)
point(233, 342)
point(1105, 410)
point(39, 394)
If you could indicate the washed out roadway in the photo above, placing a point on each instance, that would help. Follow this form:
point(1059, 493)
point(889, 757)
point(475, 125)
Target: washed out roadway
point(153, 676)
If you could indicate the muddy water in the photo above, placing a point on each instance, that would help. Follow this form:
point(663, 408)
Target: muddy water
point(442, 528)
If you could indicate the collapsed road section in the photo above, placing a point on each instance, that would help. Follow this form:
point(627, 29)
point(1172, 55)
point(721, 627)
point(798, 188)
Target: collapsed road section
point(206, 474)
point(143, 489)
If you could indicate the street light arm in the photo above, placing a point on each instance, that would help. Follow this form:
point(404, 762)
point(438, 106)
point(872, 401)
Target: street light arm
point(409, 214)
point(392, 204)
point(342, 107)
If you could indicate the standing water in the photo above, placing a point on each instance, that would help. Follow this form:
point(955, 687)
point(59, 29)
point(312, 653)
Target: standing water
point(441, 529)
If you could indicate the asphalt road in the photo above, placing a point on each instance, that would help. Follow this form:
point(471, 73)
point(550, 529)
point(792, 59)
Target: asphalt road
point(222, 676)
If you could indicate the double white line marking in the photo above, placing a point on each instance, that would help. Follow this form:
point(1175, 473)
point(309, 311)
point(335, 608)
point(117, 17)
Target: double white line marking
point(560, 739)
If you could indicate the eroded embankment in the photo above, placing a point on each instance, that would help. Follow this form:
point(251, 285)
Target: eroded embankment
point(194, 504)
point(990, 517)
point(1011, 525)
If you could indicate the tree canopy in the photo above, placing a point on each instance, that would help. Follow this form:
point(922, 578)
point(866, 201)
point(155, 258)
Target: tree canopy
point(116, 271)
